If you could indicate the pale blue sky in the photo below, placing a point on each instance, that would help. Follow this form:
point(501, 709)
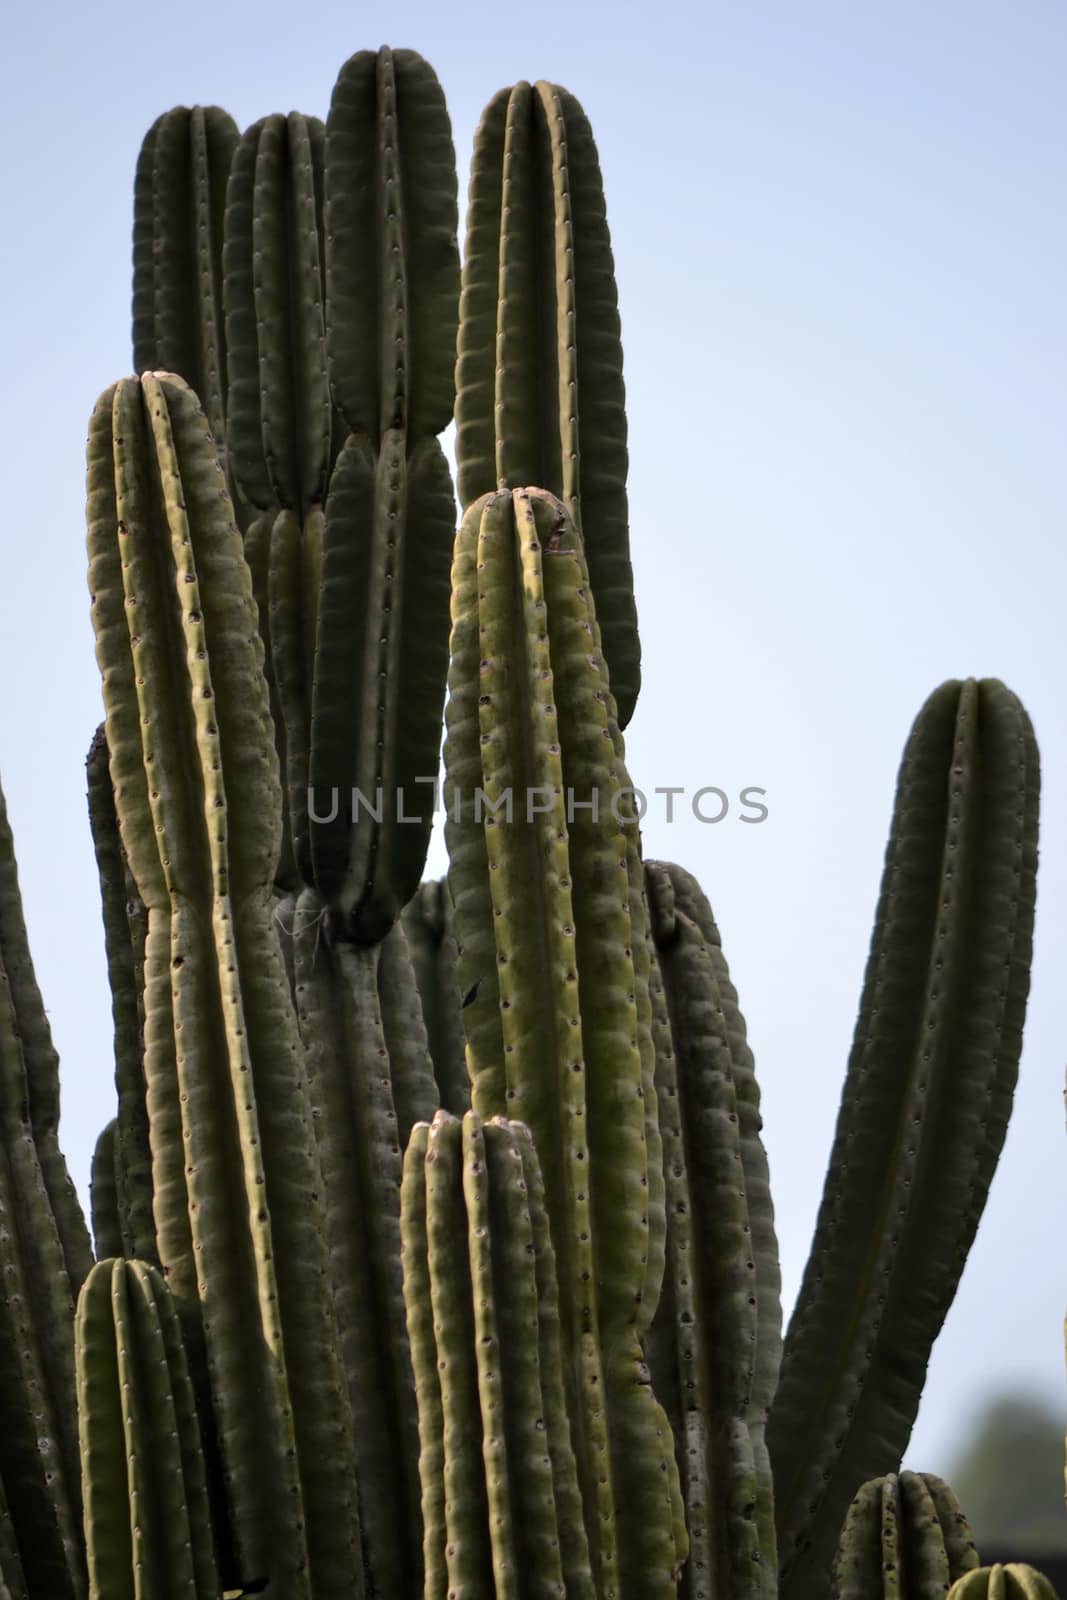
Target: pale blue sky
point(840, 241)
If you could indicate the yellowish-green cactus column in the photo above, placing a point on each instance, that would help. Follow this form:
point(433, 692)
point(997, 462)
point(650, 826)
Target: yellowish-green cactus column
point(554, 960)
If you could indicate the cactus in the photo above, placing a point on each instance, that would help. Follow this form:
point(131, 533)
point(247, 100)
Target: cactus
point(1016, 1581)
point(103, 1194)
point(540, 396)
point(431, 939)
point(502, 1509)
point(236, 1172)
point(715, 1344)
point(535, 1351)
point(923, 1112)
point(905, 1538)
point(147, 1518)
point(559, 1023)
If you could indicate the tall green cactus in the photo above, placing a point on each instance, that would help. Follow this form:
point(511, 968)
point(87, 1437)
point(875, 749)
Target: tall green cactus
point(715, 1344)
point(559, 1018)
point(147, 1518)
point(923, 1112)
point(905, 1538)
point(428, 923)
point(540, 396)
point(236, 1170)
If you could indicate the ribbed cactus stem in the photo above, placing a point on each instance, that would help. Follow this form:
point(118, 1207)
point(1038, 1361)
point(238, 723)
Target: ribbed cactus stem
point(1013, 1581)
point(552, 931)
point(103, 1194)
point(502, 1510)
point(237, 1181)
point(540, 396)
point(392, 257)
point(923, 1112)
point(431, 936)
point(715, 1345)
point(147, 1520)
point(179, 198)
point(124, 940)
point(904, 1538)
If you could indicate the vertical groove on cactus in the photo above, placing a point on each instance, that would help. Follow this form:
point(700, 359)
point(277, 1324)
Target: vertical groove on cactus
point(147, 1520)
point(904, 1538)
point(547, 925)
point(196, 790)
point(12, 1575)
point(540, 395)
point(923, 1112)
point(392, 256)
point(431, 938)
point(124, 942)
point(178, 203)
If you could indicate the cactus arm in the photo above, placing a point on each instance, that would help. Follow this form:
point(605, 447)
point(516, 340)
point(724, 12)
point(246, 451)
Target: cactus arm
point(377, 697)
point(355, 1112)
point(904, 1538)
point(392, 257)
point(247, 1138)
point(179, 192)
point(140, 1443)
point(944, 992)
point(540, 395)
point(496, 1409)
point(415, 1092)
point(469, 1546)
point(124, 930)
point(552, 975)
point(41, 1065)
point(103, 1194)
point(422, 1339)
point(1015, 1581)
point(279, 413)
point(427, 921)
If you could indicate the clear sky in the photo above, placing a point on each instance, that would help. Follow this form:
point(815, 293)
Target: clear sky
point(840, 239)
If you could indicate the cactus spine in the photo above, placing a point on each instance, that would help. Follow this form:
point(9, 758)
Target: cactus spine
point(904, 1538)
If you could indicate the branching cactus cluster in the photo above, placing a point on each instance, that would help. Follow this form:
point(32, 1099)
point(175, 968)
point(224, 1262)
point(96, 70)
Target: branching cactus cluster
point(436, 1247)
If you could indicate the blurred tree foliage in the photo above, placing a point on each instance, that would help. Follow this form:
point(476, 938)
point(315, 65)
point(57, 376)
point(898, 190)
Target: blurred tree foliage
point(1009, 1476)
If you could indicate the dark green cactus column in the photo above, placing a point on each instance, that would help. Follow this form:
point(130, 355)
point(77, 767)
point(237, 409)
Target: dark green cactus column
point(432, 941)
point(147, 1520)
point(236, 1173)
point(178, 200)
point(103, 1194)
point(905, 1538)
point(923, 1112)
point(553, 944)
point(540, 396)
point(502, 1508)
point(1015, 1581)
point(124, 940)
point(44, 1256)
point(715, 1344)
